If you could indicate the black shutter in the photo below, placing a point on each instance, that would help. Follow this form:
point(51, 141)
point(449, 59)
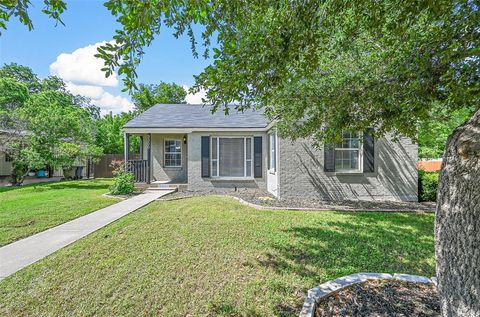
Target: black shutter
point(257, 157)
point(329, 158)
point(205, 156)
point(368, 152)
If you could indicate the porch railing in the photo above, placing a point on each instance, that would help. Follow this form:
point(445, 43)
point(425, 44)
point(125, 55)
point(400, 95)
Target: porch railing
point(139, 168)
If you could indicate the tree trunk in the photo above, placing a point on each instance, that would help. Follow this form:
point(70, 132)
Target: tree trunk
point(457, 227)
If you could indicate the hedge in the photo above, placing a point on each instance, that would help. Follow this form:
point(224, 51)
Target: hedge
point(427, 185)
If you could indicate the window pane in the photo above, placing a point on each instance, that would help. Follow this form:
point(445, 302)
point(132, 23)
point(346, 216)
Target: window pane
point(214, 149)
point(338, 159)
point(231, 160)
point(249, 148)
point(354, 143)
point(249, 168)
point(354, 159)
point(214, 168)
point(347, 152)
point(173, 146)
point(273, 151)
point(173, 159)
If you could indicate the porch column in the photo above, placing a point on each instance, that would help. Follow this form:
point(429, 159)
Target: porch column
point(126, 146)
point(141, 147)
point(149, 158)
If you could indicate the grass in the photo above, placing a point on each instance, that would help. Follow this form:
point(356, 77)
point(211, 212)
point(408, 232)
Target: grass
point(33, 208)
point(211, 256)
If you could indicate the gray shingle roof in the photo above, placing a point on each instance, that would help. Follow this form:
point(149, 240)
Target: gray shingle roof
point(196, 116)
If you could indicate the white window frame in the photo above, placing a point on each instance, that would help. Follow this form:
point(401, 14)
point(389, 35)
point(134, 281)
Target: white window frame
point(165, 153)
point(272, 160)
point(360, 156)
point(245, 160)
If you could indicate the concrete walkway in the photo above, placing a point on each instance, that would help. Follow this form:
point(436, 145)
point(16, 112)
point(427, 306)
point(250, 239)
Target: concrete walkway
point(19, 254)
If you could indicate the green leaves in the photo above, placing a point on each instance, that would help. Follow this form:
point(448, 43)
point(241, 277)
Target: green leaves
point(109, 133)
point(19, 9)
point(13, 94)
point(317, 67)
point(322, 67)
point(148, 95)
point(45, 123)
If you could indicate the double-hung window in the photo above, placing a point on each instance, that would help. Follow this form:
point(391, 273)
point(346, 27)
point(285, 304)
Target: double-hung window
point(272, 140)
point(348, 153)
point(173, 153)
point(232, 157)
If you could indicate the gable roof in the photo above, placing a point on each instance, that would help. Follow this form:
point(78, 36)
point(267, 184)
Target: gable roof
point(167, 116)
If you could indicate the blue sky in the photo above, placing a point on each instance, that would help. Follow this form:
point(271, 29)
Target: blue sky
point(88, 22)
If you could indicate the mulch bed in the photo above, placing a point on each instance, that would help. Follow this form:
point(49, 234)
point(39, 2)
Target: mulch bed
point(382, 298)
point(264, 198)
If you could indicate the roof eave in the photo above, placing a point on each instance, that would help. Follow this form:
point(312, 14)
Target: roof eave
point(142, 130)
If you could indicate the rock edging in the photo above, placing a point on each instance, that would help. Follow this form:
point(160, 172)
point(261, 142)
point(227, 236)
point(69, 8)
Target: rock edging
point(315, 294)
point(336, 208)
point(320, 209)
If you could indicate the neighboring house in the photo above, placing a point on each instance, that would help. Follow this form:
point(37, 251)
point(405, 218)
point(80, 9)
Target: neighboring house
point(434, 165)
point(5, 160)
point(6, 166)
point(187, 144)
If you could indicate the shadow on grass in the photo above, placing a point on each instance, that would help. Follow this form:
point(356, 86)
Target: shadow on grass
point(366, 242)
point(57, 185)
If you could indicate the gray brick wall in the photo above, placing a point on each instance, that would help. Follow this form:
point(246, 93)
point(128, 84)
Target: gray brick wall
point(159, 171)
point(195, 180)
point(395, 177)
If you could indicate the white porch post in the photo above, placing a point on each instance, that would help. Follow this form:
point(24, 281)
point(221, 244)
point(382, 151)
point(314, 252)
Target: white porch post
point(149, 158)
point(126, 146)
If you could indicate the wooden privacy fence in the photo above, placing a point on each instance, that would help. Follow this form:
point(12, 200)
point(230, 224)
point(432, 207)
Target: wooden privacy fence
point(103, 169)
point(138, 167)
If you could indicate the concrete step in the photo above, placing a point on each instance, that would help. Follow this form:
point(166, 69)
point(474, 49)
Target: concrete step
point(166, 188)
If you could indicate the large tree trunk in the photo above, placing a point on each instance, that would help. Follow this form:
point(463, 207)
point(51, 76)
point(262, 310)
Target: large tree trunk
point(457, 227)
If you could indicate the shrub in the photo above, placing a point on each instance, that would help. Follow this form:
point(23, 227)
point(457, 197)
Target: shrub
point(124, 182)
point(428, 185)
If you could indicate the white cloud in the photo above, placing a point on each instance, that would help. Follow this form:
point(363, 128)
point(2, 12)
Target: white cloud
point(82, 67)
point(116, 104)
point(81, 71)
point(89, 91)
point(195, 98)
point(101, 98)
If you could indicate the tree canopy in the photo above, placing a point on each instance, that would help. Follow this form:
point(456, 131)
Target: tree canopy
point(109, 133)
point(433, 134)
point(318, 67)
point(149, 95)
point(43, 125)
point(321, 67)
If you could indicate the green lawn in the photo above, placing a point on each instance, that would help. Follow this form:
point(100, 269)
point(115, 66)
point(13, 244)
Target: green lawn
point(33, 208)
point(211, 256)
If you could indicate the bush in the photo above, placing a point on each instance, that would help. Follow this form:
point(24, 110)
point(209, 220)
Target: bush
point(124, 183)
point(428, 185)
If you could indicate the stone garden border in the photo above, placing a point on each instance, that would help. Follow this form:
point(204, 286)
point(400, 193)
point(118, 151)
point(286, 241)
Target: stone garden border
point(320, 209)
point(314, 295)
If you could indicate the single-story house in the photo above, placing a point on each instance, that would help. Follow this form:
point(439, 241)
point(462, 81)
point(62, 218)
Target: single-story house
point(188, 144)
point(6, 166)
point(5, 159)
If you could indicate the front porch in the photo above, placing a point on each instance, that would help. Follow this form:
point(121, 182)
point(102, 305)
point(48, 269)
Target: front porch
point(159, 159)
